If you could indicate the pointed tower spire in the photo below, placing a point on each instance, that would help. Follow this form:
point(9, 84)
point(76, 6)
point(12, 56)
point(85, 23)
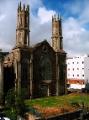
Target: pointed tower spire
point(20, 5)
point(57, 33)
point(58, 16)
point(27, 7)
point(23, 6)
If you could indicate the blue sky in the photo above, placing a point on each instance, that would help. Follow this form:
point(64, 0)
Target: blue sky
point(65, 7)
point(75, 23)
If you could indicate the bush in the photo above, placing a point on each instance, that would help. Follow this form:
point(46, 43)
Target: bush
point(14, 105)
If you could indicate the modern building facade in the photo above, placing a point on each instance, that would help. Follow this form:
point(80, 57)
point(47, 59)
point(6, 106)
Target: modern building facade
point(86, 68)
point(75, 67)
point(78, 68)
point(40, 70)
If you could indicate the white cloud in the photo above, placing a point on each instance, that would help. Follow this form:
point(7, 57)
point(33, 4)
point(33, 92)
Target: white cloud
point(5, 45)
point(76, 38)
point(84, 17)
point(45, 15)
point(41, 25)
point(2, 17)
point(34, 4)
point(76, 29)
point(8, 25)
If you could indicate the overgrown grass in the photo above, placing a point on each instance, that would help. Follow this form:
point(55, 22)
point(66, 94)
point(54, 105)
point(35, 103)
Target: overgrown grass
point(60, 101)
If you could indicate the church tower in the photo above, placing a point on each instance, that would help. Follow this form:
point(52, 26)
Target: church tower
point(57, 45)
point(57, 33)
point(22, 30)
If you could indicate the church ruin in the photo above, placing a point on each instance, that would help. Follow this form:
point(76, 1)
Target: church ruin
point(40, 70)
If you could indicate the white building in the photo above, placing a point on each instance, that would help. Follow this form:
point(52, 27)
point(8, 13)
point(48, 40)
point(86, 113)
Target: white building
point(86, 68)
point(75, 67)
point(78, 68)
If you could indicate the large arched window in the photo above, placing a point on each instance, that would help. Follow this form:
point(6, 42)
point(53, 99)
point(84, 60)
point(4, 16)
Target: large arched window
point(25, 69)
point(46, 68)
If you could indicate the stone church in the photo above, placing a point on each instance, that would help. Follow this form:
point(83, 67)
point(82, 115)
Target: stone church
point(39, 70)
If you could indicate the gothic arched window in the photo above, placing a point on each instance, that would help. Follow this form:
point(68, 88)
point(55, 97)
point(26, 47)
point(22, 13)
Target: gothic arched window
point(25, 69)
point(46, 68)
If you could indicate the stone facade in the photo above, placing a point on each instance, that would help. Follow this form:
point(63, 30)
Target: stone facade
point(39, 70)
point(2, 54)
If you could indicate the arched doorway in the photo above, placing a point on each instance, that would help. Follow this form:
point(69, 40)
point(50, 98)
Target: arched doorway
point(9, 78)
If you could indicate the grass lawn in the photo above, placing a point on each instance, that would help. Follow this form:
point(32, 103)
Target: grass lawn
point(59, 104)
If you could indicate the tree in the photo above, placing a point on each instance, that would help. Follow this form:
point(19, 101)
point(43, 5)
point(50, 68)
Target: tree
point(14, 105)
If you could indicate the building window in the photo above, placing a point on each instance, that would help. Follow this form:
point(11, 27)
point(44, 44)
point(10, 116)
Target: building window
point(77, 62)
point(83, 75)
point(68, 68)
point(82, 62)
point(82, 68)
point(77, 68)
point(73, 62)
point(77, 75)
point(73, 75)
point(45, 68)
point(73, 69)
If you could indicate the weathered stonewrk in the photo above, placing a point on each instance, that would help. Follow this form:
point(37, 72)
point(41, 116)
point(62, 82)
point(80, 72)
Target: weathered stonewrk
point(36, 71)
